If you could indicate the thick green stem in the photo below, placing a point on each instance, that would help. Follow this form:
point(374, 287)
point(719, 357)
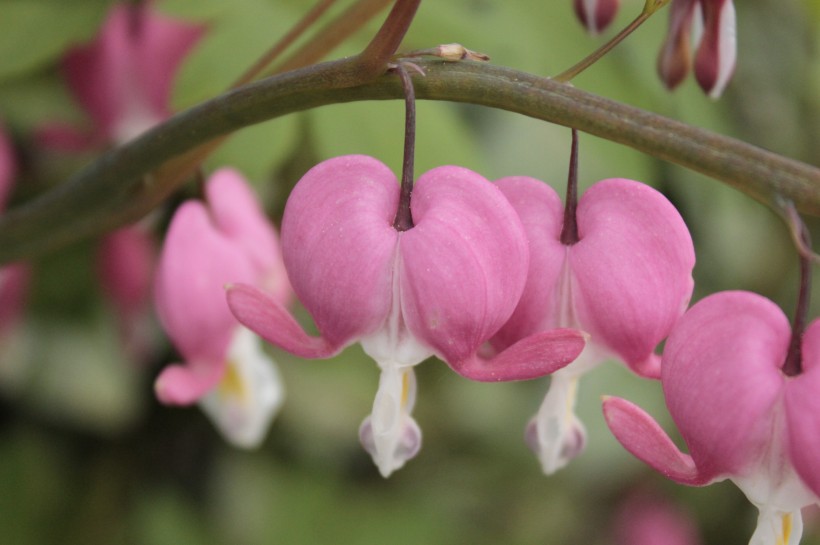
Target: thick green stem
point(118, 187)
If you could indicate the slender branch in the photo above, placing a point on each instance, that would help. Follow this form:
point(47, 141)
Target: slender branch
point(279, 47)
point(115, 190)
point(793, 365)
point(404, 218)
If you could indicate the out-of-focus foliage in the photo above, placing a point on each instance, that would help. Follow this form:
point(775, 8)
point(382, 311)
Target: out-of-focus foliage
point(86, 454)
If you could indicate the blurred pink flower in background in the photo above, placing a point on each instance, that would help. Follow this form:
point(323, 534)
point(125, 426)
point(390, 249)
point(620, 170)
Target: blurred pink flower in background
point(123, 78)
point(208, 245)
point(649, 518)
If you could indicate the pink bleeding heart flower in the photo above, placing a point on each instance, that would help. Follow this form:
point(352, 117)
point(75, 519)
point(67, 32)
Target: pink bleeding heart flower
point(596, 15)
point(741, 416)
point(442, 287)
point(123, 78)
point(224, 369)
point(625, 281)
point(713, 23)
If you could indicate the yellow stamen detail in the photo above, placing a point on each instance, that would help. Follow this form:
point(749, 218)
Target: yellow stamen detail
point(787, 529)
point(231, 384)
point(405, 388)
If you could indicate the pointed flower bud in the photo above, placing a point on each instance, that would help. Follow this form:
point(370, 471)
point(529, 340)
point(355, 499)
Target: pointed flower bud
point(442, 287)
point(741, 417)
point(224, 368)
point(596, 15)
point(123, 78)
point(625, 281)
point(712, 22)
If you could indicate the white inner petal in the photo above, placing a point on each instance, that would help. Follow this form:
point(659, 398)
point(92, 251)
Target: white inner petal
point(390, 434)
point(250, 394)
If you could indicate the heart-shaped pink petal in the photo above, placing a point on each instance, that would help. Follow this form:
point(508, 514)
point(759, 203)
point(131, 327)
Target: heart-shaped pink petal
point(721, 377)
point(339, 245)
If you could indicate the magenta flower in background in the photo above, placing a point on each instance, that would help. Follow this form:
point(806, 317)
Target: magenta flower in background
point(741, 417)
point(123, 79)
point(596, 14)
point(625, 281)
point(711, 24)
point(229, 239)
point(442, 287)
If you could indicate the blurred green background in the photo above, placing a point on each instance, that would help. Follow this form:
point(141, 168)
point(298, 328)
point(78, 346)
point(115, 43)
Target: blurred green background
point(87, 455)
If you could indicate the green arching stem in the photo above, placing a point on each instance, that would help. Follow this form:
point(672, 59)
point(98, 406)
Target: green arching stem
point(118, 188)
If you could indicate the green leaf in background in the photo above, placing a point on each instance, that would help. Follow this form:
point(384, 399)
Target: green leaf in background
point(36, 32)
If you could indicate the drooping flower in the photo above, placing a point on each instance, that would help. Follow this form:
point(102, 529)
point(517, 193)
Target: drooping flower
point(123, 79)
point(708, 23)
point(741, 416)
point(625, 281)
point(713, 23)
point(224, 369)
point(442, 287)
point(596, 15)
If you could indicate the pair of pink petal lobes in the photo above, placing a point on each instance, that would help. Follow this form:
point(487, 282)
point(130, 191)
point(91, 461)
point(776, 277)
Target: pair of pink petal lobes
point(629, 276)
point(197, 261)
point(741, 417)
point(721, 378)
point(596, 15)
point(123, 78)
point(460, 269)
point(717, 46)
